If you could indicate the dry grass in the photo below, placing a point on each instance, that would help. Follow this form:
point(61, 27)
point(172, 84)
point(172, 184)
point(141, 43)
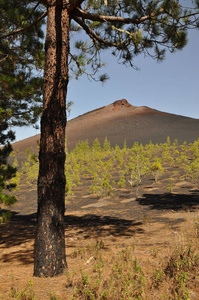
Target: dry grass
point(159, 262)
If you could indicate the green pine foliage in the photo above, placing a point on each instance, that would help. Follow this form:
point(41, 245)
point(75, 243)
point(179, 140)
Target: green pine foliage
point(122, 180)
point(21, 63)
point(165, 27)
point(96, 146)
point(139, 164)
point(104, 172)
point(7, 172)
point(157, 169)
point(106, 145)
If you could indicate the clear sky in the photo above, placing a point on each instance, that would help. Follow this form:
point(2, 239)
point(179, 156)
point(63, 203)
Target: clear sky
point(170, 86)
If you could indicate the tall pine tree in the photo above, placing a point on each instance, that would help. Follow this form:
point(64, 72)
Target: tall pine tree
point(128, 28)
point(21, 62)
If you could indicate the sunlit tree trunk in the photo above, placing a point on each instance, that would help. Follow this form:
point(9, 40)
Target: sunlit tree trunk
point(49, 252)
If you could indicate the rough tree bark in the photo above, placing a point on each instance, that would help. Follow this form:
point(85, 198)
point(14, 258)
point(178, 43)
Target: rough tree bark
point(49, 255)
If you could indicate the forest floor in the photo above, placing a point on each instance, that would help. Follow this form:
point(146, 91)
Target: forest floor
point(151, 223)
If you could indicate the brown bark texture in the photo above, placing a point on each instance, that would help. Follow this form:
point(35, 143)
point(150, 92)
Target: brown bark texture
point(49, 253)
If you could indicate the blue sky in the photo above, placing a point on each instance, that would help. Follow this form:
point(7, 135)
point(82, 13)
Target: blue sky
point(170, 86)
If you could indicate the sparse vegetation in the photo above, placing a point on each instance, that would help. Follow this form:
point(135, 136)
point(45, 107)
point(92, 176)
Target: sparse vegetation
point(26, 294)
point(108, 169)
point(106, 270)
point(124, 276)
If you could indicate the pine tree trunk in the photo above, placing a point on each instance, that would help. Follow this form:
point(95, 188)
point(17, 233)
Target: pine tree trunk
point(49, 255)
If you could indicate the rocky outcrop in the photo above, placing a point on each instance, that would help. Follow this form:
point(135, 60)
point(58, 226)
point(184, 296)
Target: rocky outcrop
point(119, 104)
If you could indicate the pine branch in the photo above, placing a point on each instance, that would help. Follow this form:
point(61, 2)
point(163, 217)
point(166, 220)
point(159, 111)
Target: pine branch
point(92, 34)
point(3, 59)
point(102, 18)
point(74, 4)
point(24, 28)
point(34, 8)
point(82, 71)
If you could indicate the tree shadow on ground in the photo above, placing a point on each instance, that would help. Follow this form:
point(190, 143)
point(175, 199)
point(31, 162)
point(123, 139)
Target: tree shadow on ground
point(95, 225)
point(21, 230)
point(170, 201)
point(17, 232)
point(25, 257)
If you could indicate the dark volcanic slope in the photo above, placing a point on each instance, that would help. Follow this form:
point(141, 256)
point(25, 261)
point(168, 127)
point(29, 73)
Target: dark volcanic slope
point(120, 121)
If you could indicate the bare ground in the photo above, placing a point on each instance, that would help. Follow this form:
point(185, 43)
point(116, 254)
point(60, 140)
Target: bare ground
point(153, 225)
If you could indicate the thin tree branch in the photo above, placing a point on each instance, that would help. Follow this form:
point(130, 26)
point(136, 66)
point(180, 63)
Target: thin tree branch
point(94, 35)
point(4, 58)
point(24, 28)
point(30, 14)
point(74, 4)
point(82, 71)
point(102, 18)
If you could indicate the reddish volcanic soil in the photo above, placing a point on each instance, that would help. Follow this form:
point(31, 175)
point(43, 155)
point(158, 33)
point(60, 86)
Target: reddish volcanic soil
point(121, 120)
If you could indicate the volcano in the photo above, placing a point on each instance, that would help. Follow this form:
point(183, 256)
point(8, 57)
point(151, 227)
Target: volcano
point(122, 121)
